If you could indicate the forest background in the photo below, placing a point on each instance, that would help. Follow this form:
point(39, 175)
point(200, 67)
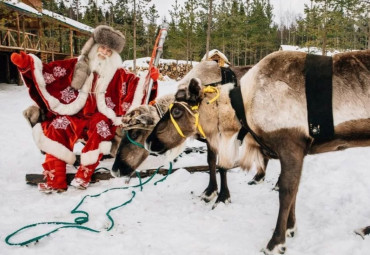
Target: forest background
point(244, 30)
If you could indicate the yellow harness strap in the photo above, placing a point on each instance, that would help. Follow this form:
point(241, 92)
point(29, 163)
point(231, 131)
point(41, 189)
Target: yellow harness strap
point(175, 123)
point(196, 115)
point(211, 89)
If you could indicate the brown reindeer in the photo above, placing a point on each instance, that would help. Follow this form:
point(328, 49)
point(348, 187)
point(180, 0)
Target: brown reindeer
point(140, 121)
point(275, 105)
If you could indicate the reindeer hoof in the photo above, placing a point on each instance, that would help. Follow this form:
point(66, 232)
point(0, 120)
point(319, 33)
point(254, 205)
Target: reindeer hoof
point(276, 188)
point(290, 232)
point(362, 232)
point(256, 181)
point(279, 249)
point(208, 198)
point(227, 201)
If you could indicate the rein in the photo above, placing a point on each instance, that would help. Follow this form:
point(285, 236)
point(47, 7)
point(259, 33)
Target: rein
point(134, 142)
point(80, 220)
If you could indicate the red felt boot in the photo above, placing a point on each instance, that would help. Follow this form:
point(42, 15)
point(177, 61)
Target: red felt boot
point(83, 176)
point(55, 175)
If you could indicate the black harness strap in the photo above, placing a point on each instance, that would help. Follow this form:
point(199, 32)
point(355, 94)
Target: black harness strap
point(227, 76)
point(237, 103)
point(318, 78)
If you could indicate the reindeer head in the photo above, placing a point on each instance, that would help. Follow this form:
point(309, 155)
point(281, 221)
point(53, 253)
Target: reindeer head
point(180, 120)
point(137, 125)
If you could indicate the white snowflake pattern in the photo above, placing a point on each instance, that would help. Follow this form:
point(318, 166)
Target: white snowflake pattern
point(48, 77)
point(68, 94)
point(125, 106)
point(124, 88)
point(103, 129)
point(109, 102)
point(59, 71)
point(60, 123)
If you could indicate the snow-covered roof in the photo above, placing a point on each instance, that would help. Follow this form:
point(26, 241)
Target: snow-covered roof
point(67, 21)
point(213, 52)
point(24, 7)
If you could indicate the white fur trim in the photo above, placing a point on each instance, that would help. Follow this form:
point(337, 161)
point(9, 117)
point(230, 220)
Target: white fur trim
point(54, 104)
point(91, 157)
point(52, 147)
point(105, 77)
point(139, 92)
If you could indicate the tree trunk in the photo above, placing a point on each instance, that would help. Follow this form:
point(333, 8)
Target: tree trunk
point(134, 64)
point(209, 27)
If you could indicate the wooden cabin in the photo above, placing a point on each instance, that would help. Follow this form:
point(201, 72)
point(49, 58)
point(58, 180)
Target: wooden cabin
point(26, 26)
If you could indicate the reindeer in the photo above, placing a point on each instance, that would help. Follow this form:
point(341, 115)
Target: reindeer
point(276, 117)
point(140, 121)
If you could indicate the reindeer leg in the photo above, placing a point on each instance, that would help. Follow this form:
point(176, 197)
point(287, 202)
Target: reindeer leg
point(261, 172)
point(224, 195)
point(291, 225)
point(211, 191)
point(291, 168)
point(363, 232)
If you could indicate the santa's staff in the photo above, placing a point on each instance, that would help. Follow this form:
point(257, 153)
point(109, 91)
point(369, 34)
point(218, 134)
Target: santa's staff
point(156, 55)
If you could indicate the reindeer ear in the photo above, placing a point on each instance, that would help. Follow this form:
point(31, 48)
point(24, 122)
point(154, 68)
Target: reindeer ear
point(180, 95)
point(194, 89)
point(145, 119)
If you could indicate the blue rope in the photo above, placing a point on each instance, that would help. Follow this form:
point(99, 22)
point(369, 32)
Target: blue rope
point(84, 219)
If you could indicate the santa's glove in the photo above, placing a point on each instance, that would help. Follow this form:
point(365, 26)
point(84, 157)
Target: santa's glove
point(154, 73)
point(34, 115)
point(22, 60)
point(80, 74)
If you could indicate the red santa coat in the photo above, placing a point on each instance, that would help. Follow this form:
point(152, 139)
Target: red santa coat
point(91, 113)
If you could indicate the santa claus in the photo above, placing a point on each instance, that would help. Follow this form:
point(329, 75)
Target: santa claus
point(82, 98)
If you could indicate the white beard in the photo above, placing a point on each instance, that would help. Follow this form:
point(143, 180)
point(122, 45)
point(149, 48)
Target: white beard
point(103, 66)
point(97, 64)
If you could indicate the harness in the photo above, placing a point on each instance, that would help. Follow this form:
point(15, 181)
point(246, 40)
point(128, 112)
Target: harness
point(236, 100)
point(319, 89)
point(227, 76)
point(195, 114)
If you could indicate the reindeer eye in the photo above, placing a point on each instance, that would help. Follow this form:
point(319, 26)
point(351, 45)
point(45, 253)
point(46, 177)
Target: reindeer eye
point(134, 134)
point(176, 112)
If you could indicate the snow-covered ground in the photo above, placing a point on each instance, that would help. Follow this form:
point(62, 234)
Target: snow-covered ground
point(169, 218)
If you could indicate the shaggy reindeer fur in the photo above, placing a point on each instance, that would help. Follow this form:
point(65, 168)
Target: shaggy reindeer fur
point(275, 104)
point(212, 71)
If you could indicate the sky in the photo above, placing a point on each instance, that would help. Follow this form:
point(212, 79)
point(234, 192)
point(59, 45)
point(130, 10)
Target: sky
point(280, 7)
point(169, 218)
